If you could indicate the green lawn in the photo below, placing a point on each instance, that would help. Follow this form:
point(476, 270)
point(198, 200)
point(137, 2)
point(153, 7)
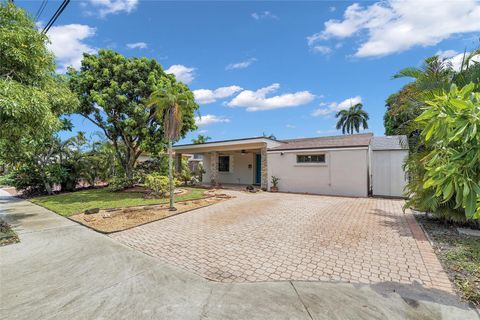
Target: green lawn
point(67, 204)
point(460, 256)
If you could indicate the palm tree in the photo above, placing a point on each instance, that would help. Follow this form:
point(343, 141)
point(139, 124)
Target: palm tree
point(352, 118)
point(167, 108)
point(201, 139)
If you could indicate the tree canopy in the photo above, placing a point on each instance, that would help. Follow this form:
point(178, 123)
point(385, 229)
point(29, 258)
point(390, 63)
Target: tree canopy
point(32, 97)
point(352, 119)
point(114, 92)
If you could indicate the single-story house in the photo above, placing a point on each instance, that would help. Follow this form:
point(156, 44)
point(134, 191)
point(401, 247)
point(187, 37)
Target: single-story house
point(338, 165)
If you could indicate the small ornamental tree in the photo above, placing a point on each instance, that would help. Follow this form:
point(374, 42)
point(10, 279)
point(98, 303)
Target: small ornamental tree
point(451, 135)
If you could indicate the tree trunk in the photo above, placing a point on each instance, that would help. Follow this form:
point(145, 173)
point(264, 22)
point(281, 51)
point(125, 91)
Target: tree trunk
point(170, 174)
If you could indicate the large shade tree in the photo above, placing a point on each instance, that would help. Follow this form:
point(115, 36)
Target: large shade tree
point(168, 107)
point(351, 119)
point(32, 97)
point(114, 91)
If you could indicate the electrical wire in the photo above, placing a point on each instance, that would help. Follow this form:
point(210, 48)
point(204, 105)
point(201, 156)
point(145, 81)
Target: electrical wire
point(40, 9)
point(55, 16)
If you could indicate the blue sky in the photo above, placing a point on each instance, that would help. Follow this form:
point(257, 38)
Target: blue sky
point(275, 67)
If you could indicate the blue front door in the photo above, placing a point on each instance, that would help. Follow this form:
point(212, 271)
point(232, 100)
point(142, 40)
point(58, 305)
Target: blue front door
point(258, 168)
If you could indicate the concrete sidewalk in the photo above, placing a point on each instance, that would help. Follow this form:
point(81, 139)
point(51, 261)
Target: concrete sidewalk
point(61, 270)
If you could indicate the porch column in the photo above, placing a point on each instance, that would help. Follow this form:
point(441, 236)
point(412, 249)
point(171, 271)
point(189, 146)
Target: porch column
point(264, 172)
point(214, 168)
point(178, 162)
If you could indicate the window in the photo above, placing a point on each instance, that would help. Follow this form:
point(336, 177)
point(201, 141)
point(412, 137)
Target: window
point(224, 163)
point(311, 158)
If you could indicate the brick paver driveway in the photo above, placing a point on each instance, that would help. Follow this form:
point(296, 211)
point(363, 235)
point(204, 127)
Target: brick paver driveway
point(267, 236)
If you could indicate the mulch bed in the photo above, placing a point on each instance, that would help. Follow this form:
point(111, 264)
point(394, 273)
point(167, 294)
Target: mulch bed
point(459, 255)
point(119, 219)
point(7, 235)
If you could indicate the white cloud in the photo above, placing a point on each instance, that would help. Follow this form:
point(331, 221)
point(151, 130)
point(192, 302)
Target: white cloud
point(240, 65)
point(204, 96)
point(332, 9)
point(107, 7)
point(182, 73)
point(264, 15)
point(137, 45)
point(290, 126)
point(66, 44)
point(209, 119)
point(397, 25)
point(328, 108)
point(456, 58)
point(321, 49)
point(258, 101)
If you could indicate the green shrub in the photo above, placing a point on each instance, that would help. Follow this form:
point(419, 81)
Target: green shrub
point(158, 183)
point(6, 180)
point(119, 183)
point(451, 159)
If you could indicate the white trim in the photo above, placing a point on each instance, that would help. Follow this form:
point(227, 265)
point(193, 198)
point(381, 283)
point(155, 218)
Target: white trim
point(222, 144)
point(316, 150)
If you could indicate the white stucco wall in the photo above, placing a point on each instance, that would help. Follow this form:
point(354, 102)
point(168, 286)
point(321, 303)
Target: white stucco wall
point(240, 173)
point(345, 172)
point(388, 176)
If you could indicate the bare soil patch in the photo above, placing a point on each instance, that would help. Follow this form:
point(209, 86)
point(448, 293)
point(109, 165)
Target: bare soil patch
point(118, 219)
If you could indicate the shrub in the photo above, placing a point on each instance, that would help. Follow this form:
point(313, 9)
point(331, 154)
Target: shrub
point(6, 180)
point(157, 183)
point(119, 183)
point(452, 142)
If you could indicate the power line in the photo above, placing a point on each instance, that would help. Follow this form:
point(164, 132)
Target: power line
point(40, 9)
point(55, 16)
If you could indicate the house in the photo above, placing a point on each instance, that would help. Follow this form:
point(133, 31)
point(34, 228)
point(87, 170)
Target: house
point(336, 165)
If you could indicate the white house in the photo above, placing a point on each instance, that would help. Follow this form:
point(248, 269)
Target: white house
point(345, 165)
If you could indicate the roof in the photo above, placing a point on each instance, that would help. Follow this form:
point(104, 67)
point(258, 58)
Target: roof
point(345, 141)
point(390, 143)
point(222, 141)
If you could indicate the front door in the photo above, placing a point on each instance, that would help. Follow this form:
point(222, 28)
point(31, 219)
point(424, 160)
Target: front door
point(258, 168)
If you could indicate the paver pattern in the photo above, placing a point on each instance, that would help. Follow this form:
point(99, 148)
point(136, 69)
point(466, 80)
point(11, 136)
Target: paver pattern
point(266, 236)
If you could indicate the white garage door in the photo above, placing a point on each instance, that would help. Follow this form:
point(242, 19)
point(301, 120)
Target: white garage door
point(388, 177)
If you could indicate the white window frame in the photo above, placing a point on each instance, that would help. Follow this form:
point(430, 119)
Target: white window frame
point(311, 164)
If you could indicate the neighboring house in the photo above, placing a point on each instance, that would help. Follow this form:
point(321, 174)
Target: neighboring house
point(337, 165)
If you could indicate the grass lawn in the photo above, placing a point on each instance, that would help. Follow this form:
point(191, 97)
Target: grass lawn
point(7, 235)
point(67, 204)
point(460, 257)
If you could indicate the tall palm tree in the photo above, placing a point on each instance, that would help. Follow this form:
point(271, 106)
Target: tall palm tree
point(352, 119)
point(167, 108)
point(201, 139)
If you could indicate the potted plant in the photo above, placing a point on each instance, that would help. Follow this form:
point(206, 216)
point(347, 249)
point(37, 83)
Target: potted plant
point(274, 187)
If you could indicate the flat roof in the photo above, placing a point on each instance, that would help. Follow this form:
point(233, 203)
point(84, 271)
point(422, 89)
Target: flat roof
point(223, 141)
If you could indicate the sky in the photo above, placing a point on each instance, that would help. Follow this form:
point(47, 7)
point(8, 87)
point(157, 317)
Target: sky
point(282, 68)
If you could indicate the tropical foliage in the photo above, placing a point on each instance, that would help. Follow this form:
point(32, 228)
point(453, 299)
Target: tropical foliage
point(168, 107)
point(452, 165)
point(436, 116)
point(158, 183)
point(114, 91)
point(201, 139)
point(352, 119)
point(32, 97)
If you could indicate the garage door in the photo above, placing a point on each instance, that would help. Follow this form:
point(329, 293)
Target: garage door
point(388, 177)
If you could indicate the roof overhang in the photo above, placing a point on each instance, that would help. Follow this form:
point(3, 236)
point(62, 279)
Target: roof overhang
point(227, 145)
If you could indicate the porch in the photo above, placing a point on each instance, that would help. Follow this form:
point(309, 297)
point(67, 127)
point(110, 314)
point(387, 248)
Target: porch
point(232, 162)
